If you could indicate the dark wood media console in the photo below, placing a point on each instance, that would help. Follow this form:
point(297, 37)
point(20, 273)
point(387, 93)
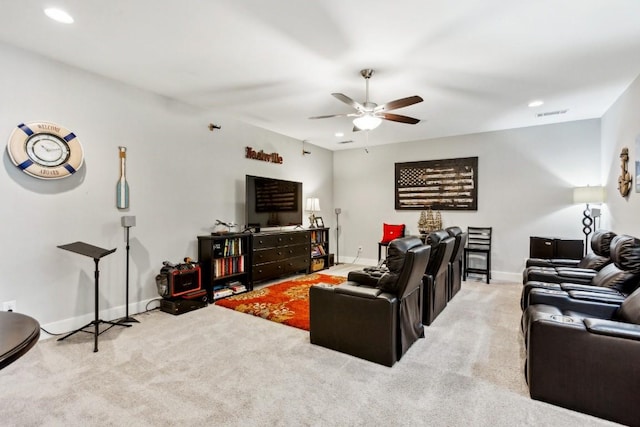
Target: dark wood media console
point(277, 254)
point(244, 258)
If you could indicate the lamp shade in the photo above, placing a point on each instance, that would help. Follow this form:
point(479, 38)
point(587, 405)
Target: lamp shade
point(367, 122)
point(588, 194)
point(313, 204)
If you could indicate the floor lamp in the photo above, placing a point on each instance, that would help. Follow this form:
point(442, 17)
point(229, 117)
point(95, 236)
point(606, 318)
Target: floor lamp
point(338, 211)
point(127, 223)
point(588, 195)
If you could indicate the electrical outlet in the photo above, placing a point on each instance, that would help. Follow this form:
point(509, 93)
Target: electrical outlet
point(9, 306)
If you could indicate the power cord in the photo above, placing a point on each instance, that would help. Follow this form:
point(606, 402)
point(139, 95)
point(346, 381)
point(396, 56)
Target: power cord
point(357, 256)
point(146, 310)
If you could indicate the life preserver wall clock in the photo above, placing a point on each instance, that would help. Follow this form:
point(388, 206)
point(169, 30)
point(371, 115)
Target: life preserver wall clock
point(45, 150)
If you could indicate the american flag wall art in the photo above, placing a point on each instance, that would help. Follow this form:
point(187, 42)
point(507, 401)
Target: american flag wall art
point(448, 184)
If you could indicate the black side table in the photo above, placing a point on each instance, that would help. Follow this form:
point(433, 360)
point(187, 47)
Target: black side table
point(18, 333)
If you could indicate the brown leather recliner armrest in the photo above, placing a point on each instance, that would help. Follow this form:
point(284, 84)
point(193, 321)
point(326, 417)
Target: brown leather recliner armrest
point(588, 288)
point(613, 329)
point(593, 306)
point(350, 288)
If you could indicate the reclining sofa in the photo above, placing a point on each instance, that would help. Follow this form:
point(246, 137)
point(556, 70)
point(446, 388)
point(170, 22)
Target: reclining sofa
point(436, 277)
point(576, 271)
point(621, 275)
point(585, 357)
point(376, 314)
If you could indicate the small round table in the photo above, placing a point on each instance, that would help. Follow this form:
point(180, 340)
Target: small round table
point(18, 333)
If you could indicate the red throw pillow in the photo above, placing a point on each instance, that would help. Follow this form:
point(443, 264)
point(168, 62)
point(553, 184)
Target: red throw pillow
point(390, 232)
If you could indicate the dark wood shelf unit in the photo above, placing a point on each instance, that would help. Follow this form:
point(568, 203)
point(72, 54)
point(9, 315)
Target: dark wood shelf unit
point(224, 259)
point(319, 249)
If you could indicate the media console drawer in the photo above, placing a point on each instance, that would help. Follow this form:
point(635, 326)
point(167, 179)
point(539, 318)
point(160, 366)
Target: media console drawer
point(272, 270)
point(273, 240)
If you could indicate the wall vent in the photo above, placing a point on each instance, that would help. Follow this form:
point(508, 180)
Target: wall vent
point(551, 113)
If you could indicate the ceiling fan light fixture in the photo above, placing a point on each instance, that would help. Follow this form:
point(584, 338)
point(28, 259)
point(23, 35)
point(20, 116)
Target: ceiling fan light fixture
point(59, 15)
point(367, 122)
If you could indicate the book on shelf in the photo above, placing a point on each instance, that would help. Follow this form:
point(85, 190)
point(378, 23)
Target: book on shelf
point(221, 293)
point(237, 287)
point(227, 247)
point(318, 250)
point(227, 266)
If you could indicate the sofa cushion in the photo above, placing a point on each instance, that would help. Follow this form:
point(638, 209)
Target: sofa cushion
point(630, 308)
point(625, 253)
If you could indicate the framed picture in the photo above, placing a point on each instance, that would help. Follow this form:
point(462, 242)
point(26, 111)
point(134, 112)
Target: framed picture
point(447, 184)
point(319, 222)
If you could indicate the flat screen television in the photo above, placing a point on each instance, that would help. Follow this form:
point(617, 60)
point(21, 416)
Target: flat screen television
point(273, 202)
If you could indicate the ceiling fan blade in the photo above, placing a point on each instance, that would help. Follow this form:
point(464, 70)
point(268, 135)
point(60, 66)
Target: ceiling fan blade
point(329, 116)
point(344, 98)
point(398, 118)
point(336, 115)
point(398, 103)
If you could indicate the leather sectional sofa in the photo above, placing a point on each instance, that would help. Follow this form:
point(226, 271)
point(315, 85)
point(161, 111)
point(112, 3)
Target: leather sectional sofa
point(583, 341)
point(575, 271)
point(379, 312)
point(622, 274)
point(375, 315)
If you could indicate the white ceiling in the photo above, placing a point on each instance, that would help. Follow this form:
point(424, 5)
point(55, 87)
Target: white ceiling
point(476, 63)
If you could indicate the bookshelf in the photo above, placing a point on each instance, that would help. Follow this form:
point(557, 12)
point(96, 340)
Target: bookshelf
point(225, 264)
point(319, 249)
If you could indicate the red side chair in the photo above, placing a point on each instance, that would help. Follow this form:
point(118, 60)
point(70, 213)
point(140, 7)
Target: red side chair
point(389, 232)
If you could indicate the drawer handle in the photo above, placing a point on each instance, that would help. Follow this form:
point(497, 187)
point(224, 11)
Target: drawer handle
point(547, 243)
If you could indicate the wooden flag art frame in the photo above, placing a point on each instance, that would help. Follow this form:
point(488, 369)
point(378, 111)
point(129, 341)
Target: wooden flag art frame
point(447, 184)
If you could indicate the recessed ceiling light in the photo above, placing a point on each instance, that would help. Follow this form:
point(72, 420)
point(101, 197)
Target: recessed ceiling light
point(58, 15)
point(536, 103)
point(339, 134)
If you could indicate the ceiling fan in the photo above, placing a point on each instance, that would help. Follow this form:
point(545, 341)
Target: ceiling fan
point(369, 115)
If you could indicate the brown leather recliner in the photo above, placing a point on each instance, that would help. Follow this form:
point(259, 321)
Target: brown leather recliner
point(622, 275)
point(455, 263)
point(566, 270)
point(436, 277)
point(374, 316)
point(586, 362)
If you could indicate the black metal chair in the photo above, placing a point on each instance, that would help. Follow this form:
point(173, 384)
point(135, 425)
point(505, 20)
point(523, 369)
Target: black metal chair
point(478, 244)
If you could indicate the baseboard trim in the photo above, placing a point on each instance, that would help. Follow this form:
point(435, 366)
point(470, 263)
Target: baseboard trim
point(112, 314)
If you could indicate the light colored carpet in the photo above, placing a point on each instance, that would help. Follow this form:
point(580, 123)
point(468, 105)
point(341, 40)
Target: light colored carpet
point(215, 366)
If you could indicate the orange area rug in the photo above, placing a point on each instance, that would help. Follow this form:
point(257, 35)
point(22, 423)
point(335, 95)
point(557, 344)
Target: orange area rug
point(286, 302)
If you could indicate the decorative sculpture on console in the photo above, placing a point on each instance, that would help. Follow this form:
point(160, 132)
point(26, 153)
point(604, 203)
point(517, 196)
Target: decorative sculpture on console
point(428, 222)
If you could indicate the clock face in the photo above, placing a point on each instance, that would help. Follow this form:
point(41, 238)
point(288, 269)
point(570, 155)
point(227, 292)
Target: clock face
point(45, 150)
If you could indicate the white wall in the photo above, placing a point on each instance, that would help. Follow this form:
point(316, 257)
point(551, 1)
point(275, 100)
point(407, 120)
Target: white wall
point(182, 177)
point(525, 181)
point(621, 128)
